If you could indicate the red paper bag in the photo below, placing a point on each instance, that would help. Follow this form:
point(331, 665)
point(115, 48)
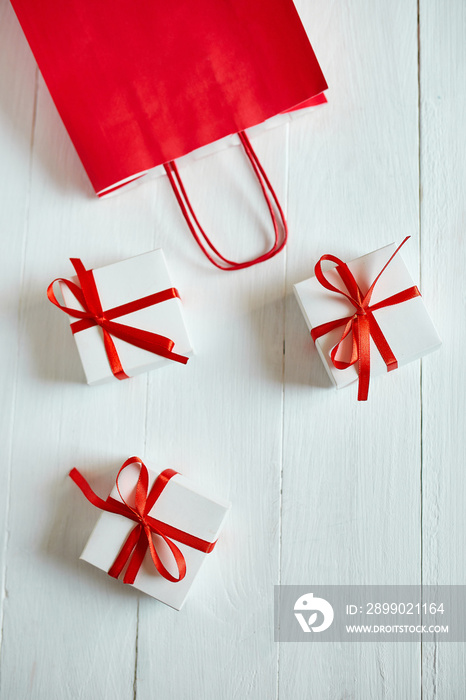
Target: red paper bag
point(140, 83)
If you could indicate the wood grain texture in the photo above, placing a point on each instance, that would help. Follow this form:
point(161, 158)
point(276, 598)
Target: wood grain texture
point(56, 630)
point(443, 259)
point(225, 429)
point(351, 472)
point(17, 93)
point(324, 490)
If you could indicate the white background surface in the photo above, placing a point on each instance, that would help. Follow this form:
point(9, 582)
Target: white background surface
point(324, 490)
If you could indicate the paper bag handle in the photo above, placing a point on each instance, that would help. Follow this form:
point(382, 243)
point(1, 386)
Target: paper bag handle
point(200, 235)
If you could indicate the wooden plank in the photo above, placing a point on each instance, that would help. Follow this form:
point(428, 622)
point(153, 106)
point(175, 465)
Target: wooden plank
point(220, 424)
point(68, 631)
point(17, 95)
point(351, 473)
point(443, 255)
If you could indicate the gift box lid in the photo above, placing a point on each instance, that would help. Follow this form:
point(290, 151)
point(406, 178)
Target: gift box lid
point(183, 505)
point(120, 283)
point(407, 326)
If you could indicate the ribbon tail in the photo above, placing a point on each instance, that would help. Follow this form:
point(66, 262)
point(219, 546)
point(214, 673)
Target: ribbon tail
point(368, 296)
point(152, 342)
point(136, 558)
point(110, 505)
point(364, 352)
point(125, 552)
point(113, 357)
point(381, 343)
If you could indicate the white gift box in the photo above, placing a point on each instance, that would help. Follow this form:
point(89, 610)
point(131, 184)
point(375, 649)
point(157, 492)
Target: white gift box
point(121, 283)
point(406, 326)
point(183, 505)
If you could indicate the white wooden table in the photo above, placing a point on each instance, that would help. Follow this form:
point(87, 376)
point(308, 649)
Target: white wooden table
point(324, 490)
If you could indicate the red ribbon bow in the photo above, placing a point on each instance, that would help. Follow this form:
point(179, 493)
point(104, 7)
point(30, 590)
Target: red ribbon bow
point(140, 537)
point(362, 324)
point(93, 315)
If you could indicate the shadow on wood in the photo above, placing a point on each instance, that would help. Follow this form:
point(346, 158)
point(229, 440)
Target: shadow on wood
point(50, 341)
point(295, 360)
point(73, 521)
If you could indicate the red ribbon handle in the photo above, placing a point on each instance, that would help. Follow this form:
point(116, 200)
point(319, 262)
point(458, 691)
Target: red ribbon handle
point(362, 324)
point(93, 315)
point(200, 235)
point(140, 538)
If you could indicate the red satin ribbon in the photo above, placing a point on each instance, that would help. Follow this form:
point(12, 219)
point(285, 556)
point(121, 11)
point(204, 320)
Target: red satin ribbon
point(362, 324)
point(140, 537)
point(93, 315)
